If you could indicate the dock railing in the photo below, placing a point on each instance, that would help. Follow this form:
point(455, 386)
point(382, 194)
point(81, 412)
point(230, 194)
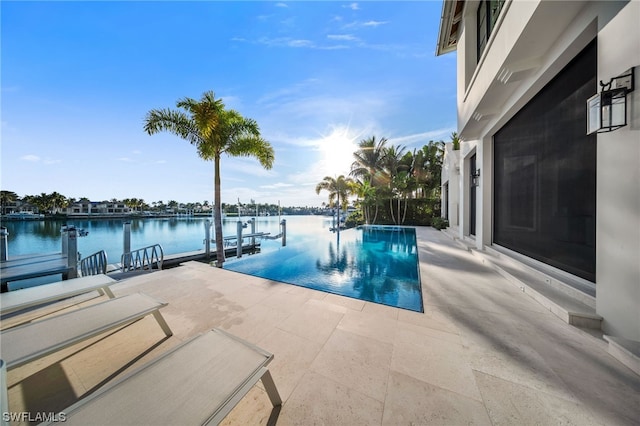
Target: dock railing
point(146, 258)
point(94, 264)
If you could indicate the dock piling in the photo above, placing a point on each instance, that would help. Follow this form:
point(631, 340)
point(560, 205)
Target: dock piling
point(239, 239)
point(72, 252)
point(4, 244)
point(207, 238)
point(64, 239)
point(126, 247)
point(284, 232)
point(253, 230)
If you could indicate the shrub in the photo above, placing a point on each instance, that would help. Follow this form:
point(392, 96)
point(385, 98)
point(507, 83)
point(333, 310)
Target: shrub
point(439, 222)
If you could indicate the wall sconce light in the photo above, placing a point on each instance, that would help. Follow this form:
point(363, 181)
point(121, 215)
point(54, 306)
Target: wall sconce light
point(607, 110)
point(475, 178)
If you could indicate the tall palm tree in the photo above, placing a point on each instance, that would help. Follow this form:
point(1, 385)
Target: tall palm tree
point(368, 168)
point(369, 160)
point(367, 198)
point(339, 190)
point(396, 169)
point(213, 130)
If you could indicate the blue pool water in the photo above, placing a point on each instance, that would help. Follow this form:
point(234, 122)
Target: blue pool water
point(377, 264)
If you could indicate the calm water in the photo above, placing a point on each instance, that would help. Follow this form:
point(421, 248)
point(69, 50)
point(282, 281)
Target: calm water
point(376, 264)
point(175, 235)
point(368, 264)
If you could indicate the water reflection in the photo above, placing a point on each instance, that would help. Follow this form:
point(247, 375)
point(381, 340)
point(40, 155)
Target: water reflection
point(380, 266)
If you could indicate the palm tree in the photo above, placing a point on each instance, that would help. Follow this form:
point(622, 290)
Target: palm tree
point(213, 130)
point(397, 166)
point(368, 167)
point(337, 188)
point(7, 197)
point(369, 160)
point(367, 198)
point(455, 139)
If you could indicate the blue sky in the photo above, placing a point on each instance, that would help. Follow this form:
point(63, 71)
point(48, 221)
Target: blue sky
point(77, 79)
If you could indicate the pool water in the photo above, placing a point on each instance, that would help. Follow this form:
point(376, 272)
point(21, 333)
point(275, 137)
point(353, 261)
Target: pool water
point(374, 263)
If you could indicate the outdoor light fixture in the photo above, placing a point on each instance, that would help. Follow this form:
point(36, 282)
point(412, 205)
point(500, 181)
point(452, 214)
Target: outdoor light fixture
point(475, 178)
point(607, 110)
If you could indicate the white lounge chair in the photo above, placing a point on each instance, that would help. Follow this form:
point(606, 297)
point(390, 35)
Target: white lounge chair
point(34, 296)
point(28, 342)
point(198, 382)
point(4, 400)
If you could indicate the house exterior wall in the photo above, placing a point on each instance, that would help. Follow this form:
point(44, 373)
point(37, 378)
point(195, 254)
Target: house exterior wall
point(618, 186)
point(530, 44)
point(451, 176)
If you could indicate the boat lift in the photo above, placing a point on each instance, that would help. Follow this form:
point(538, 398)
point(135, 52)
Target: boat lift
point(239, 238)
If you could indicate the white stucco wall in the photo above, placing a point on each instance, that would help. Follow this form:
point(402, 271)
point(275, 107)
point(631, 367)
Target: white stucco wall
point(533, 41)
point(451, 175)
point(618, 186)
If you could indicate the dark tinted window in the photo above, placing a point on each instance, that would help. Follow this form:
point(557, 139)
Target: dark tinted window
point(545, 174)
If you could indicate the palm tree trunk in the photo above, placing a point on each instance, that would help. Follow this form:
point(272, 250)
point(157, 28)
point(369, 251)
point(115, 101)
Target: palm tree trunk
point(217, 220)
point(404, 214)
point(375, 216)
point(391, 210)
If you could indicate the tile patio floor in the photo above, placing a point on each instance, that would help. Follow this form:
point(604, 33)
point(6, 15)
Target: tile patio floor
point(482, 352)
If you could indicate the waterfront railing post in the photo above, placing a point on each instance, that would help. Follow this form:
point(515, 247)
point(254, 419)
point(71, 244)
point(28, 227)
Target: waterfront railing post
point(72, 253)
point(126, 246)
point(239, 239)
point(284, 232)
point(4, 244)
point(207, 238)
point(65, 241)
point(253, 230)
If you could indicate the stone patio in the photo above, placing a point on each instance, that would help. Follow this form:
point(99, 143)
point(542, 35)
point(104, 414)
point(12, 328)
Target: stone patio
point(481, 353)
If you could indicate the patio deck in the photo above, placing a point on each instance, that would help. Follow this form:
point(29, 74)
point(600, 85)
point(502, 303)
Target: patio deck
point(481, 353)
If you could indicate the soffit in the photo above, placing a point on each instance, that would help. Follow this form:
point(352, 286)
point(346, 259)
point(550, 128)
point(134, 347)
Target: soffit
point(450, 22)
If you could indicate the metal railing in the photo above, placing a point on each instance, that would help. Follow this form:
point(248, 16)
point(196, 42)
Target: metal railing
point(94, 264)
point(146, 258)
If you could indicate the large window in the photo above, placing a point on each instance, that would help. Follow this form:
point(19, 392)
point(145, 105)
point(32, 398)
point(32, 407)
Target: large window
point(487, 16)
point(545, 174)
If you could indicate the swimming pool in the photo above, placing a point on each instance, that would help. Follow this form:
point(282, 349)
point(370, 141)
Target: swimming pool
point(374, 263)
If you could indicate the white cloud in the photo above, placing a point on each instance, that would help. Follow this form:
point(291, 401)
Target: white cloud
point(277, 185)
point(247, 166)
point(361, 24)
point(36, 159)
point(281, 5)
point(343, 37)
point(285, 42)
point(300, 43)
point(125, 159)
point(352, 6)
point(374, 23)
point(424, 137)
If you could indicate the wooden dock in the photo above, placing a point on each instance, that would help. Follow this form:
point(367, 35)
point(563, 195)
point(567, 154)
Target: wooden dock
point(39, 265)
point(32, 266)
point(200, 255)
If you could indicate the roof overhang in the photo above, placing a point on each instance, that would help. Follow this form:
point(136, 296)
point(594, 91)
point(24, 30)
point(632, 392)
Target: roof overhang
point(449, 26)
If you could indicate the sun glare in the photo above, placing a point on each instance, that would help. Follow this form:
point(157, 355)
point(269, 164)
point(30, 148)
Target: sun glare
point(337, 151)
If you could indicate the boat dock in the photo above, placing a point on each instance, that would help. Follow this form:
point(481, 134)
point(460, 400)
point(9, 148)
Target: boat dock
point(33, 266)
point(38, 265)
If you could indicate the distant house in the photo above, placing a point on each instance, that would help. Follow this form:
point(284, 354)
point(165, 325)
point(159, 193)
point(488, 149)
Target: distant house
point(84, 208)
point(19, 206)
point(529, 179)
